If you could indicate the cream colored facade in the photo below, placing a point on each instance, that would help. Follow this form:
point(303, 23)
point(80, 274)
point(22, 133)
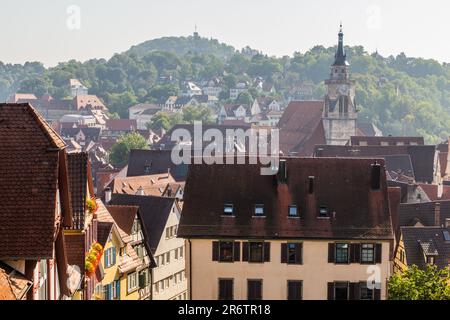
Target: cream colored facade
point(169, 277)
point(315, 272)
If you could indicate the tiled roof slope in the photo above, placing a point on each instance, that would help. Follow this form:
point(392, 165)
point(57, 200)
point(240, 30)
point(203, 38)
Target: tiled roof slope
point(154, 212)
point(430, 240)
point(29, 153)
point(78, 166)
point(301, 127)
point(124, 217)
point(422, 157)
point(342, 185)
point(425, 213)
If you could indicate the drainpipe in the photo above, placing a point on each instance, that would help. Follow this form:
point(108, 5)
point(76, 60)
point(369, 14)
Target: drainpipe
point(190, 269)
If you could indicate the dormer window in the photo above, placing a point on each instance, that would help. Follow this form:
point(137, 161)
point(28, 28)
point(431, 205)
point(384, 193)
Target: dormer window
point(259, 210)
point(228, 209)
point(323, 212)
point(292, 211)
point(430, 260)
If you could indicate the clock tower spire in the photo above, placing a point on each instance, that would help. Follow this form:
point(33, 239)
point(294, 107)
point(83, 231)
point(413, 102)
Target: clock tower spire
point(339, 113)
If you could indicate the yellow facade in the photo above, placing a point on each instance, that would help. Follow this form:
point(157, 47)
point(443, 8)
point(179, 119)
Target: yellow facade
point(112, 273)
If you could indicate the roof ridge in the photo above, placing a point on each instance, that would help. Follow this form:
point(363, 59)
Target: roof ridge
point(51, 134)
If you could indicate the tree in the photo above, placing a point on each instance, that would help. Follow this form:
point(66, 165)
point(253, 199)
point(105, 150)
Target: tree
point(121, 149)
point(430, 283)
point(245, 98)
point(197, 113)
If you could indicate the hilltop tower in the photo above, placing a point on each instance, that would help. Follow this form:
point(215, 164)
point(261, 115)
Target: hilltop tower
point(339, 112)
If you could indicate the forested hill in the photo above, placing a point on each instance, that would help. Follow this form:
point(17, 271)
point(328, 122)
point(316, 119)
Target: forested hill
point(402, 95)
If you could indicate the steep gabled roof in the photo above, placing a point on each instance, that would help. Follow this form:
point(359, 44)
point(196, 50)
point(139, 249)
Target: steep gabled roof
point(29, 167)
point(336, 182)
point(123, 217)
point(78, 180)
point(301, 127)
point(131, 185)
point(154, 212)
point(425, 212)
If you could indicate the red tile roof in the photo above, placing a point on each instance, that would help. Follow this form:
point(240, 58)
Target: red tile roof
point(301, 128)
point(121, 125)
point(29, 165)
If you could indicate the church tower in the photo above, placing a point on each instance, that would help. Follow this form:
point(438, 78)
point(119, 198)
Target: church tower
point(339, 113)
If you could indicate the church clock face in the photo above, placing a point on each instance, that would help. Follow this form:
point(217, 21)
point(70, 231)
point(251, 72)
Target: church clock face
point(343, 89)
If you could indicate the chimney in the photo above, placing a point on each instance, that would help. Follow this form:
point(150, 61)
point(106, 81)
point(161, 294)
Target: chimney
point(108, 193)
point(447, 223)
point(140, 191)
point(375, 176)
point(282, 171)
point(437, 214)
point(319, 152)
point(310, 184)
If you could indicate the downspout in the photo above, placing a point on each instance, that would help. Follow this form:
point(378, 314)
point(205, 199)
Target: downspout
point(190, 269)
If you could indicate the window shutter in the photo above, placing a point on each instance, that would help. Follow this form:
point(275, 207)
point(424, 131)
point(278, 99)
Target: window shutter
point(284, 253)
point(378, 253)
point(113, 256)
point(330, 290)
point(244, 251)
point(142, 281)
point(354, 291)
point(215, 251)
point(331, 252)
point(355, 253)
point(266, 251)
point(299, 253)
point(117, 290)
point(377, 294)
point(237, 251)
point(222, 289)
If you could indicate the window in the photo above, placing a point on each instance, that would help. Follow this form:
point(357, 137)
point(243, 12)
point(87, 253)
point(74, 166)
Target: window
point(294, 290)
point(132, 283)
point(110, 257)
point(341, 291)
point(259, 210)
point(176, 253)
point(162, 258)
point(367, 253)
point(181, 252)
point(225, 289)
point(293, 211)
point(446, 234)
point(228, 209)
point(256, 252)
point(112, 290)
point(430, 259)
point(254, 289)
point(226, 251)
point(168, 257)
point(323, 212)
point(402, 256)
point(293, 253)
point(365, 293)
point(167, 233)
point(342, 252)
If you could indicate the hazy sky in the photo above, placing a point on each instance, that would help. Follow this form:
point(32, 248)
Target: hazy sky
point(51, 31)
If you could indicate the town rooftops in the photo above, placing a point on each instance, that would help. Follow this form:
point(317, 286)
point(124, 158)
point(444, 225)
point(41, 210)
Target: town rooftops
point(423, 242)
point(29, 158)
point(144, 184)
point(13, 285)
point(91, 133)
point(121, 125)
point(435, 213)
point(154, 212)
point(334, 199)
point(423, 158)
point(88, 102)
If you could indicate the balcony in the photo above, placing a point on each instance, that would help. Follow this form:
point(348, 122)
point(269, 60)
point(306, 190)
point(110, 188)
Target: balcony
point(145, 293)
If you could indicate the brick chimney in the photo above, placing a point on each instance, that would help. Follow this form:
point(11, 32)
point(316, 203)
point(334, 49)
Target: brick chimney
point(437, 214)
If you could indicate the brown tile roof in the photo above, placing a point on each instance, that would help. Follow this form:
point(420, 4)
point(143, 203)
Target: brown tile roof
point(376, 141)
point(29, 157)
point(121, 125)
point(78, 179)
point(130, 261)
point(103, 231)
point(301, 127)
point(422, 157)
point(336, 182)
point(443, 158)
point(13, 285)
point(88, 101)
point(425, 213)
point(151, 185)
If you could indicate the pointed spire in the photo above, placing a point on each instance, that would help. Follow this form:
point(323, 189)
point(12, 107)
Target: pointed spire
point(340, 58)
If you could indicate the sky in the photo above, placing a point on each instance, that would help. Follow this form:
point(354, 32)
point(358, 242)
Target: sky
point(52, 31)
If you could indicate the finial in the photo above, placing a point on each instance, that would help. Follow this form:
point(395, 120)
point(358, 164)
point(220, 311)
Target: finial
point(340, 27)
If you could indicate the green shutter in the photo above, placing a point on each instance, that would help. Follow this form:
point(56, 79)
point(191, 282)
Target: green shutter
point(117, 290)
point(113, 256)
